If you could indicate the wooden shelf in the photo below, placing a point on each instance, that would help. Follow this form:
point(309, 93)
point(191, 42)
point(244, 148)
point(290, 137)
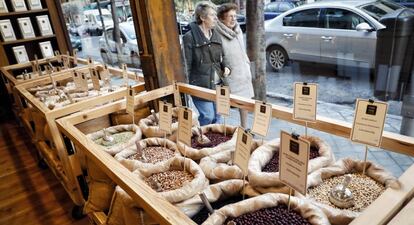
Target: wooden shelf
point(27, 40)
point(23, 12)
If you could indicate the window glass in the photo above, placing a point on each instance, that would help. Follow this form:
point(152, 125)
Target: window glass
point(380, 8)
point(342, 19)
point(285, 6)
point(305, 18)
point(271, 7)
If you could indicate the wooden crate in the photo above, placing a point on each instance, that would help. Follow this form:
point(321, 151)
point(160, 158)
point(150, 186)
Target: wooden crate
point(10, 81)
point(165, 213)
point(56, 150)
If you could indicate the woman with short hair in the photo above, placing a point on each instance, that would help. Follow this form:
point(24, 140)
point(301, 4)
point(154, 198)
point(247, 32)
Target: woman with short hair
point(204, 58)
point(240, 81)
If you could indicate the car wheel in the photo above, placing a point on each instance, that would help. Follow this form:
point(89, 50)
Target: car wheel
point(276, 57)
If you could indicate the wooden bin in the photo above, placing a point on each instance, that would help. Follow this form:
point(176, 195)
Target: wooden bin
point(57, 150)
point(10, 81)
point(165, 213)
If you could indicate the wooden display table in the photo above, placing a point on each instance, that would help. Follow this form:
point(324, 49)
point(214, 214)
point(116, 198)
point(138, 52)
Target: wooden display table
point(165, 213)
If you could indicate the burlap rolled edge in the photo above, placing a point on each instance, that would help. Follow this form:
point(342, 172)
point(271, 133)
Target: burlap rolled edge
point(197, 154)
point(213, 192)
point(153, 131)
point(215, 166)
point(265, 182)
point(342, 167)
point(178, 163)
point(133, 164)
point(308, 211)
point(116, 129)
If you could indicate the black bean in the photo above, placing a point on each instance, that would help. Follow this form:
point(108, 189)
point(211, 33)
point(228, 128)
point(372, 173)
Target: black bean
point(215, 139)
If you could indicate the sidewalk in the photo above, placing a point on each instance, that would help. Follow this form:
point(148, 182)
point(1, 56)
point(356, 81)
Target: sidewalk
point(395, 163)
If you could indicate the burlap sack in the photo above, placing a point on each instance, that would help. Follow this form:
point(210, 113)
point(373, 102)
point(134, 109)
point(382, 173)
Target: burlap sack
point(101, 187)
point(342, 167)
point(150, 130)
point(308, 211)
point(112, 150)
point(133, 164)
point(214, 193)
point(265, 182)
point(132, 213)
point(197, 154)
point(216, 167)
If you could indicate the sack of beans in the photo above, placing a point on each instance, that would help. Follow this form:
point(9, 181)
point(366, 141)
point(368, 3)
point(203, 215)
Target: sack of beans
point(171, 182)
point(264, 164)
point(219, 195)
point(151, 152)
point(269, 207)
point(208, 140)
point(101, 187)
point(150, 128)
point(364, 188)
point(219, 166)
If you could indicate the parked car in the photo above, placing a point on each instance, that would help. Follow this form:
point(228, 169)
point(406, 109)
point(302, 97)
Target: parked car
point(406, 3)
point(75, 41)
point(93, 24)
point(273, 9)
point(241, 20)
point(129, 47)
point(333, 32)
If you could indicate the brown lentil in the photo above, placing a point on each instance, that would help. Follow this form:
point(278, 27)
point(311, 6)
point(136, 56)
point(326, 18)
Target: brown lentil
point(169, 180)
point(119, 138)
point(278, 215)
point(364, 189)
point(154, 154)
point(214, 137)
point(273, 165)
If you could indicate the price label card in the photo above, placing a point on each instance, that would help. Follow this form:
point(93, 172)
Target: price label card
point(177, 96)
point(104, 74)
point(58, 56)
point(305, 101)
point(262, 117)
point(130, 104)
point(369, 122)
point(125, 73)
point(66, 61)
point(185, 122)
point(95, 79)
point(83, 82)
point(223, 100)
point(76, 79)
point(165, 112)
point(243, 148)
point(293, 161)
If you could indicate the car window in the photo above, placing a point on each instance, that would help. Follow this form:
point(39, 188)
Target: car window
point(271, 7)
point(380, 8)
point(342, 19)
point(110, 34)
point(304, 18)
point(285, 6)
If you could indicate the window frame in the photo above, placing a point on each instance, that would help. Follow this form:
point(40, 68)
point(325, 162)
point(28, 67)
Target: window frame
point(303, 10)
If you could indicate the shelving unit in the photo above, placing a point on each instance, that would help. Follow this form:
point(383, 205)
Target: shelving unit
point(58, 40)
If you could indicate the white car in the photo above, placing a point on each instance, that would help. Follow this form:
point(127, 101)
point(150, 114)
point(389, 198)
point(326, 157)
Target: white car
point(332, 32)
point(129, 47)
point(93, 23)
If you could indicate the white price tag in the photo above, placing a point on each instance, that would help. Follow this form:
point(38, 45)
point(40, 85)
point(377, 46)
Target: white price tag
point(223, 100)
point(305, 101)
point(95, 79)
point(75, 57)
point(293, 161)
point(369, 122)
point(185, 122)
point(165, 118)
point(177, 96)
point(125, 73)
point(262, 118)
point(83, 82)
point(243, 148)
point(76, 79)
point(104, 74)
point(130, 105)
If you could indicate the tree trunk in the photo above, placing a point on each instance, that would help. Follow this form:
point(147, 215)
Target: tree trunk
point(117, 33)
point(256, 46)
